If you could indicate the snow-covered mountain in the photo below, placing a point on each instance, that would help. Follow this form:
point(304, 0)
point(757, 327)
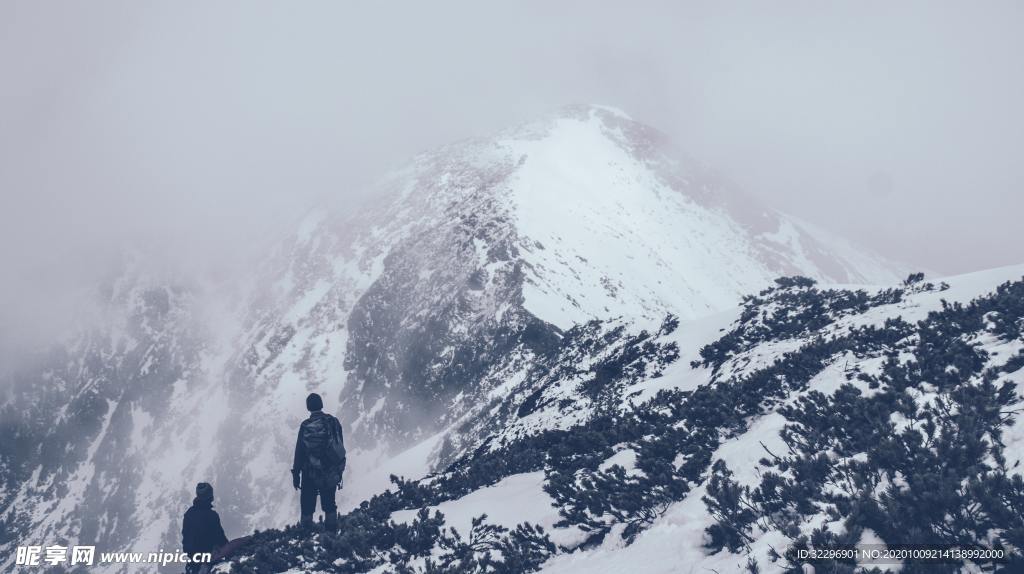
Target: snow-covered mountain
point(809, 417)
point(461, 312)
point(885, 418)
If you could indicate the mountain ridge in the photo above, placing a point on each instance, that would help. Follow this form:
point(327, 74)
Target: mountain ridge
point(711, 470)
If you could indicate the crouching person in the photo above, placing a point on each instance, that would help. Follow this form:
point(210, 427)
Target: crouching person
point(201, 531)
point(319, 463)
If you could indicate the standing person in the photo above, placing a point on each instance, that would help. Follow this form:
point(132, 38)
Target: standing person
point(200, 529)
point(319, 463)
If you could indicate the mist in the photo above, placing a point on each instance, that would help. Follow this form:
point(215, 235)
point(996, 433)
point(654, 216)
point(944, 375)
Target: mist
point(196, 132)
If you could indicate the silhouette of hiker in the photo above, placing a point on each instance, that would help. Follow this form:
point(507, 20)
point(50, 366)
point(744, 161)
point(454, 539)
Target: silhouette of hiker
point(319, 463)
point(201, 530)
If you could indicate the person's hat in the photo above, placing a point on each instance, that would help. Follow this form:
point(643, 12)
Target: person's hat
point(314, 402)
point(204, 491)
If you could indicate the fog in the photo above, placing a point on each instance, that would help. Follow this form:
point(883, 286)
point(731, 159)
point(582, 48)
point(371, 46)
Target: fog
point(196, 131)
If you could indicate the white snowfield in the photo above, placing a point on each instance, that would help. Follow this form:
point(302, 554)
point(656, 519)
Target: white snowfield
point(609, 231)
point(516, 499)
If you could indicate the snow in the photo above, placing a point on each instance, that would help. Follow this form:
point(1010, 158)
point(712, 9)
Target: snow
point(142, 423)
point(673, 545)
point(309, 225)
point(625, 458)
point(858, 265)
point(580, 196)
point(834, 376)
point(613, 111)
point(743, 453)
point(690, 337)
point(369, 472)
point(916, 306)
point(516, 499)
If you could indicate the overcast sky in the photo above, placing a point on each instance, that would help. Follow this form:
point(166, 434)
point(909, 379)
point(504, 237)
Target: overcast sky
point(191, 128)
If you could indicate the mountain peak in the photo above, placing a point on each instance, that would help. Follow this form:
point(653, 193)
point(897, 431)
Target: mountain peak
point(591, 110)
point(604, 122)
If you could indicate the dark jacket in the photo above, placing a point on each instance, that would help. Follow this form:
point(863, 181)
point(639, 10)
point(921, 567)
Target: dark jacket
point(320, 448)
point(201, 530)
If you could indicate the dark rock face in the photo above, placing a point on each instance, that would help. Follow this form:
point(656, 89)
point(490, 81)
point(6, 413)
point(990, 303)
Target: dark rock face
point(71, 416)
point(446, 309)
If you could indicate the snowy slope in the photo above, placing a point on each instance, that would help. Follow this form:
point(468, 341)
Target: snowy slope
point(618, 444)
point(612, 224)
point(513, 500)
point(675, 543)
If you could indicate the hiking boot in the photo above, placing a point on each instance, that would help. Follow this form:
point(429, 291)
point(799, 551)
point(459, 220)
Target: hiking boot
point(331, 522)
point(306, 521)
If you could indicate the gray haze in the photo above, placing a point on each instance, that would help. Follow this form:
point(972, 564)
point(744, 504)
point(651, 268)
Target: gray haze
point(197, 130)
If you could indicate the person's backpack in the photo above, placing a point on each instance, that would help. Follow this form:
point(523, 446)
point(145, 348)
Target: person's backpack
point(325, 449)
